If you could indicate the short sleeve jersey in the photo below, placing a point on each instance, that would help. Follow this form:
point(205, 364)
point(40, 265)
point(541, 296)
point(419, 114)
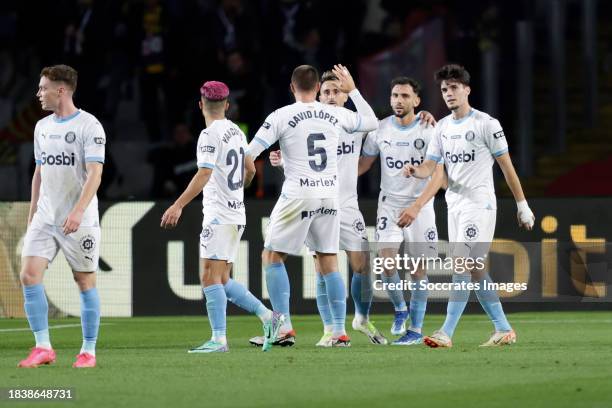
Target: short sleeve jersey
point(222, 147)
point(397, 146)
point(308, 134)
point(62, 149)
point(469, 147)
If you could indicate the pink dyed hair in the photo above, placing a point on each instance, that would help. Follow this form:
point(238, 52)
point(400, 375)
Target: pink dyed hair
point(214, 91)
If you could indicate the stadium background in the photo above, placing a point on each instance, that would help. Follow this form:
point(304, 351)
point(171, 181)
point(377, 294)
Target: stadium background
point(544, 68)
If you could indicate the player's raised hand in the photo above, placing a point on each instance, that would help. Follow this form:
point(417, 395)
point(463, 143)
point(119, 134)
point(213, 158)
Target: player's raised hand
point(409, 170)
point(171, 217)
point(347, 84)
point(73, 222)
point(276, 158)
point(427, 118)
point(407, 216)
point(524, 215)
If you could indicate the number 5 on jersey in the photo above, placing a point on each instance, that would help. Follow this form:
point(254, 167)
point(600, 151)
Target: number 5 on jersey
point(316, 151)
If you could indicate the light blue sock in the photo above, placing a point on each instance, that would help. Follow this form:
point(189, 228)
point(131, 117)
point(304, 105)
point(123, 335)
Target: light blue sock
point(241, 297)
point(396, 296)
point(90, 319)
point(418, 304)
point(489, 300)
point(323, 302)
point(216, 305)
point(456, 303)
point(277, 282)
point(336, 293)
point(37, 311)
point(361, 291)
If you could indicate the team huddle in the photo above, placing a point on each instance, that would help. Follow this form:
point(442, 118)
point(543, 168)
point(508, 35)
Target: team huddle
point(324, 147)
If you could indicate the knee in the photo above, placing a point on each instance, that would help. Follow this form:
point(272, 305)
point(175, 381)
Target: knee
point(359, 269)
point(209, 279)
point(205, 280)
point(389, 272)
point(84, 281)
point(214, 273)
point(27, 279)
point(28, 276)
point(265, 255)
point(328, 263)
point(270, 257)
point(206, 277)
point(419, 274)
point(361, 265)
point(477, 275)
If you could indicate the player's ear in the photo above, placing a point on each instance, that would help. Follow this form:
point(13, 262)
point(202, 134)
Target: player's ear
point(200, 104)
point(467, 89)
point(318, 87)
point(292, 88)
point(417, 101)
point(227, 104)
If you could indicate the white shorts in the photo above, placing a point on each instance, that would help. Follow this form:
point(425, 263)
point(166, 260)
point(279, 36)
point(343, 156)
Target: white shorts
point(421, 236)
point(295, 222)
point(220, 241)
point(81, 248)
point(353, 236)
point(470, 232)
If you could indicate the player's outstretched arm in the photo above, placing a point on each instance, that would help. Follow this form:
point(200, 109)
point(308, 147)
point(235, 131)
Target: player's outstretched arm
point(367, 120)
point(524, 214)
point(438, 180)
point(365, 163)
point(421, 171)
point(249, 170)
point(196, 185)
point(94, 178)
point(35, 193)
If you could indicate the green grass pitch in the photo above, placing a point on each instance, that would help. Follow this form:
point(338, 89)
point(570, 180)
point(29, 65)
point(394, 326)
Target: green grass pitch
point(562, 359)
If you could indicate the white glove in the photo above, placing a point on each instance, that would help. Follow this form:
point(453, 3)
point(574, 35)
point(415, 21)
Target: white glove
point(524, 215)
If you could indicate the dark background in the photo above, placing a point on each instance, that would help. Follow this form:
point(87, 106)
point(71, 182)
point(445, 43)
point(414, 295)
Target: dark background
point(141, 64)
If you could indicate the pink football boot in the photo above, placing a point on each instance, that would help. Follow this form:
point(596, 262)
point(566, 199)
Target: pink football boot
point(38, 356)
point(85, 360)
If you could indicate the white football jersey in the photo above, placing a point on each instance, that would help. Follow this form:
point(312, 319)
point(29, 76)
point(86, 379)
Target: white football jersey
point(349, 148)
point(222, 147)
point(397, 146)
point(309, 134)
point(62, 148)
point(468, 147)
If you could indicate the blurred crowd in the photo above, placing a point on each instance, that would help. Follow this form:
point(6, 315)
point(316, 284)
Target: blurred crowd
point(160, 51)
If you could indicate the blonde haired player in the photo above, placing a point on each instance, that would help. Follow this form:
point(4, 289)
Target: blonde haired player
point(69, 154)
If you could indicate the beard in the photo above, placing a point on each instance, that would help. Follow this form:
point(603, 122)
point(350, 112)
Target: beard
point(401, 114)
